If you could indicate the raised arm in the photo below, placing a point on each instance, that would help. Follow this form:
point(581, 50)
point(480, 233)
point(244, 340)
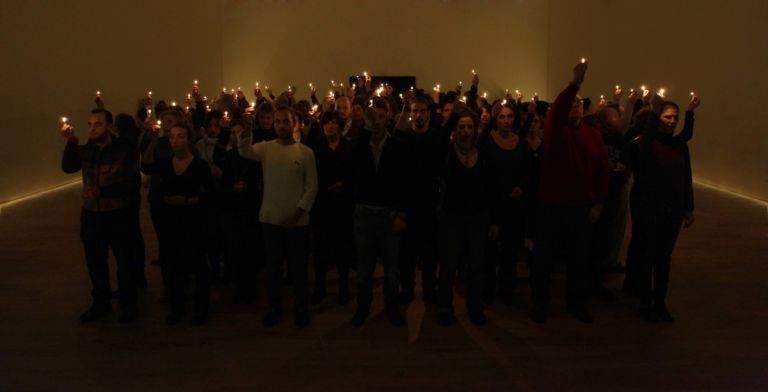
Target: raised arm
point(687, 133)
point(245, 147)
point(70, 161)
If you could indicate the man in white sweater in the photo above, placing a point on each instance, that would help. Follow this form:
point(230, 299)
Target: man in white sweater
point(290, 186)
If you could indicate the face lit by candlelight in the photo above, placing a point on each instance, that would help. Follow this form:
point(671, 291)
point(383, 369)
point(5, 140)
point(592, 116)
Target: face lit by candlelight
point(98, 129)
point(669, 119)
point(331, 129)
point(343, 107)
point(284, 125)
point(465, 133)
point(214, 128)
point(505, 119)
point(168, 122)
point(179, 139)
point(357, 114)
point(447, 110)
point(419, 115)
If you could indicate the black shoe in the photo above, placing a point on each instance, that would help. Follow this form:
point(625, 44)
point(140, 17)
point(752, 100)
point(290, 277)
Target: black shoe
point(445, 318)
point(478, 318)
point(95, 312)
point(603, 293)
point(405, 297)
point(344, 296)
point(128, 313)
point(272, 318)
point(508, 298)
point(174, 317)
point(317, 297)
point(359, 318)
point(663, 314)
point(580, 312)
point(429, 295)
point(141, 281)
point(539, 314)
point(394, 315)
point(647, 313)
point(302, 318)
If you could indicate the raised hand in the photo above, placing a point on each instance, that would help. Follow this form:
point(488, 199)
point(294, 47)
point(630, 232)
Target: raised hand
point(475, 80)
point(694, 103)
point(579, 72)
point(68, 132)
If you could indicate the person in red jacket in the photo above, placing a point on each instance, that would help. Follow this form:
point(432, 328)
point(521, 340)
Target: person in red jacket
point(573, 184)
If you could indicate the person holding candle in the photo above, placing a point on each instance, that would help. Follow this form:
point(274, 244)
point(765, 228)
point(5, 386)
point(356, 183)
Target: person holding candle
point(186, 187)
point(573, 185)
point(663, 195)
point(110, 194)
point(290, 187)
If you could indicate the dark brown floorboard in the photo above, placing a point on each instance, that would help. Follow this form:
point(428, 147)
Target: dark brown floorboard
point(719, 341)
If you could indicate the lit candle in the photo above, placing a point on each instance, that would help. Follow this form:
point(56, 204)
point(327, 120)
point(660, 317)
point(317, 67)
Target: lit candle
point(205, 98)
point(401, 96)
point(63, 120)
point(239, 89)
point(333, 82)
point(618, 87)
point(602, 96)
point(506, 91)
point(330, 93)
point(195, 82)
point(149, 112)
point(583, 60)
point(370, 104)
point(186, 108)
point(354, 86)
point(310, 85)
point(98, 94)
point(661, 92)
point(226, 114)
point(631, 90)
point(314, 108)
point(159, 123)
point(411, 88)
point(257, 84)
point(290, 89)
point(504, 102)
point(253, 104)
point(692, 93)
point(517, 91)
point(232, 91)
point(365, 74)
point(473, 72)
point(460, 83)
point(189, 96)
point(485, 94)
point(223, 90)
point(149, 94)
point(643, 88)
point(173, 103)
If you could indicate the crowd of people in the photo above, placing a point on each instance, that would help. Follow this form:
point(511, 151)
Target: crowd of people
point(448, 183)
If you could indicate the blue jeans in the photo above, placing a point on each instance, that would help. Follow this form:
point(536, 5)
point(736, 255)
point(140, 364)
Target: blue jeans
point(373, 237)
point(463, 239)
point(291, 244)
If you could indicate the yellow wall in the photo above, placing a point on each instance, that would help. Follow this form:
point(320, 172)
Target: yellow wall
point(717, 49)
point(438, 41)
point(56, 54)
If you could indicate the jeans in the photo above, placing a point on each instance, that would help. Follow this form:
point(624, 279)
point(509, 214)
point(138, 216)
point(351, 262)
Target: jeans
point(373, 237)
point(559, 229)
point(462, 238)
point(291, 245)
point(99, 232)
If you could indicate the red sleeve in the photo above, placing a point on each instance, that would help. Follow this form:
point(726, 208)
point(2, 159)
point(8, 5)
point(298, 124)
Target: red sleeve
point(558, 116)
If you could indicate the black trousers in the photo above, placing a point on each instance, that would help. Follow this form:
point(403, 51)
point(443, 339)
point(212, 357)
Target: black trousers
point(185, 257)
point(138, 252)
point(291, 245)
point(635, 250)
point(603, 240)
point(419, 246)
point(333, 243)
point(158, 212)
point(566, 231)
point(245, 248)
point(660, 229)
point(99, 232)
point(462, 241)
point(503, 253)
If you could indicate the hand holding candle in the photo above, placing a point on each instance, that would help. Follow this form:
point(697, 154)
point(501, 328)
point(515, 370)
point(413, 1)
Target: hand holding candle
point(66, 131)
point(695, 102)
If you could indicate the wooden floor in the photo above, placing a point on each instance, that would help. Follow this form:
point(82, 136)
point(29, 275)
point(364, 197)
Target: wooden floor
point(719, 341)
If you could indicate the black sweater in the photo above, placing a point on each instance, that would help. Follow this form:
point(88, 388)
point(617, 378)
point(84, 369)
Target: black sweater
point(385, 186)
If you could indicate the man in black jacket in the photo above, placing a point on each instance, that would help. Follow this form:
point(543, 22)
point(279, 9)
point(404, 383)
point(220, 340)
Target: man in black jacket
point(110, 191)
point(379, 218)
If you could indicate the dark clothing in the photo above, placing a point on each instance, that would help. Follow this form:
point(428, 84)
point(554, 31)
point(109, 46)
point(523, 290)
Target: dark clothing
point(290, 245)
point(184, 228)
point(374, 236)
point(385, 185)
point(425, 156)
point(107, 220)
point(663, 195)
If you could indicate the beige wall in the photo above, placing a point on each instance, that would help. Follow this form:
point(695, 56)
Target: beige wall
point(717, 49)
point(56, 54)
point(297, 42)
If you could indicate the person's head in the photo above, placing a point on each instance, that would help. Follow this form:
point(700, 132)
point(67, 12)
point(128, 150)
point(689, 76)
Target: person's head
point(376, 115)
point(235, 127)
point(343, 107)
point(485, 117)
point(447, 110)
point(170, 118)
point(420, 113)
point(180, 137)
point(126, 127)
point(332, 124)
point(537, 122)
point(466, 132)
point(670, 115)
point(265, 115)
point(357, 113)
point(284, 121)
point(505, 119)
point(212, 123)
point(609, 119)
point(99, 125)
point(577, 112)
